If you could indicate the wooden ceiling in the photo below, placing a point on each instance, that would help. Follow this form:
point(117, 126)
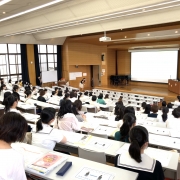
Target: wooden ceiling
point(157, 36)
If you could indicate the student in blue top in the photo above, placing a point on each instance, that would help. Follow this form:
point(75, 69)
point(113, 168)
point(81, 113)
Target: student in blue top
point(129, 121)
point(100, 99)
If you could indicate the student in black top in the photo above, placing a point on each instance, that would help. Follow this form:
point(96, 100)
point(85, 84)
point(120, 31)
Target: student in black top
point(147, 109)
point(129, 109)
point(119, 112)
point(154, 109)
point(136, 160)
point(41, 98)
point(66, 97)
point(6, 94)
point(15, 91)
point(164, 115)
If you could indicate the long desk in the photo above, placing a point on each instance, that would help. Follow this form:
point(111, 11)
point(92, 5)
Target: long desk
point(110, 151)
point(77, 164)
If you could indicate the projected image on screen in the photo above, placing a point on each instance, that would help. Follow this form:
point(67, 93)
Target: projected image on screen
point(154, 66)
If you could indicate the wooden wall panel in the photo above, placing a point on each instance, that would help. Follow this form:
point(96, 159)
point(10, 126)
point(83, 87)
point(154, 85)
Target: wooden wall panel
point(178, 69)
point(85, 54)
point(83, 69)
point(124, 62)
point(31, 63)
point(111, 64)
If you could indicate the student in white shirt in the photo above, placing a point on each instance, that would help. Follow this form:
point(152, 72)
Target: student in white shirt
point(107, 100)
point(34, 91)
point(43, 135)
point(174, 122)
point(9, 85)
point(28, 99)
point(11, 103)
point(2, 89)
point(66, 120)
point(136, 160)
point(13, 129)
point(94, 103)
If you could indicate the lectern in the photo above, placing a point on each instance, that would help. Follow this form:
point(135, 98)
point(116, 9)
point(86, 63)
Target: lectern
point(174, 86)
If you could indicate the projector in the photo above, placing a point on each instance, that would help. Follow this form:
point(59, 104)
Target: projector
point(105, 39)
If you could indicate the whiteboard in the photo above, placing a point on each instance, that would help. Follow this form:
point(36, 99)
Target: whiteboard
point(49, 76)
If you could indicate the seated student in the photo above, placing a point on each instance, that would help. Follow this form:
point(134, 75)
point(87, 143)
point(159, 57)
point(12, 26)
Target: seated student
point(154, 109)
point(174, 121)
point(119, 112)
point(43, 135)
point(60, 93)
point(78, 104)
point(46, 96)
point(6, 94)
point(80, 117)
point(94, 103)
point(120, 101)
point(11, 103)
point(143, 106)
point(85, 97)
point(34, 91)
point(73, 96)
point(2, 89)
point(66, 97)
point(169, 105)
point(106, 99)
point(164, 116)
point(20, 83)
point(16, 83)
point(13, 129)
point(100, 99)
point(9, 85)
point(129, 121)
point(66, 120)
point(178, 99)
point(28, 99)
point(129, 109)
point(136, 160)
point(15, 91)
point(163, 104)
point(41, 96)
point(147, 109)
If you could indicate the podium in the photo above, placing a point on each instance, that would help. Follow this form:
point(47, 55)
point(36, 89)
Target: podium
point(174, 86)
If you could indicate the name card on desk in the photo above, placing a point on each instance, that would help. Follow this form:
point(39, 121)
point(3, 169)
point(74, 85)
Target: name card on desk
point(99, 144)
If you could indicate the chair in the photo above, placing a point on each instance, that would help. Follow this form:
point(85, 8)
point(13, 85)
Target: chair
point(98, 135)
point(84, 108)
point(92, 155)
point(91, 109)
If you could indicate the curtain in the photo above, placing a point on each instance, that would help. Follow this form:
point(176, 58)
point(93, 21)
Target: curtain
point(59, 62)
point(24, 64)
point(37, 68)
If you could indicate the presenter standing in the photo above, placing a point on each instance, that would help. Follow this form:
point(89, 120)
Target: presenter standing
point(81, 84)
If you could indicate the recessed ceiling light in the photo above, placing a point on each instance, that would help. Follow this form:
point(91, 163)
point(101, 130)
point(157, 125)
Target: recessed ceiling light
point(148, 34)
point(176, 31)
point(125, 36)
point(4, 12)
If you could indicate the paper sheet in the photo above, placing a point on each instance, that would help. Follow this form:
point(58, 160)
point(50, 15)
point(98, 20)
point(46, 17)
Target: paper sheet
point(105, 130)
point(87, 173)
point(99, 144)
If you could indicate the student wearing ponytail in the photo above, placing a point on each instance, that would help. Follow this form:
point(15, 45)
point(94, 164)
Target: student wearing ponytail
point(136, 160)
point(3, 89)
point(164, 116)
point(129, 121)
point(15, 91)
point(11, 103)
point(28, 99)
point(43, 135)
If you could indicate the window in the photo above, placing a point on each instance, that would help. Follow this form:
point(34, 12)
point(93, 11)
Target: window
point(10, 62)
point(47, 57)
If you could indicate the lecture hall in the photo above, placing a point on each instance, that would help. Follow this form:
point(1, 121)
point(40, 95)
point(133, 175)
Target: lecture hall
point(90, 89)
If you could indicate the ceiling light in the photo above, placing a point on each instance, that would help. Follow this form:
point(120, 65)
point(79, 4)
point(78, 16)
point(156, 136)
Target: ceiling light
point(4, 12)
point(148, 34)
point(4, 2)
point(125, 37)
point(31, 10)
point(176, 31)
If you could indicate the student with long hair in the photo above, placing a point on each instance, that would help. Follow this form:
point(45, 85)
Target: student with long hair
point(129, 121)
point(13, 128)
point(6, 94)
point(66, 120)
point(2, 89)
point(143, 106)
point(43, 135)
point(15, 91)
point(28, 99)
point(119, 112)
point(34, 91)
point(80, 117)
point(11, 103)
point(136, 160)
